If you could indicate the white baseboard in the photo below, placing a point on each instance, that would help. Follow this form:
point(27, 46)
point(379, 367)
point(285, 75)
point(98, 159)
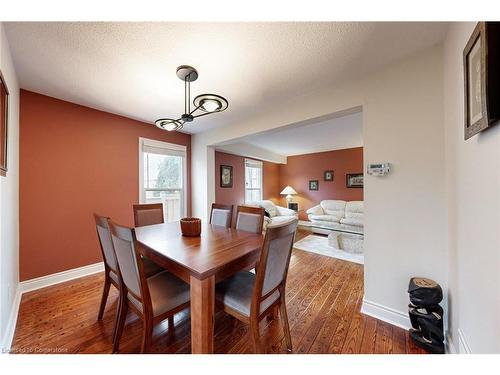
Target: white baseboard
point(39, 283)
point(386, 314)
point(463, 345)
point(60, 277)
point(11, 323)
point(449, 346)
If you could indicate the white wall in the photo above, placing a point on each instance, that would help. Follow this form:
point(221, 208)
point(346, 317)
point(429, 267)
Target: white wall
point(473, 187)
point(405, 211)
point(9, 199)
point(250, 151)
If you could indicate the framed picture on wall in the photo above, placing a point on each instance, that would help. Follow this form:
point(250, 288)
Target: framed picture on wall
point(481, 57)
point(4, 118)
point(354, 180)
point(226, 176)
point(313, 185)
point(328, 176)
point(476, 112)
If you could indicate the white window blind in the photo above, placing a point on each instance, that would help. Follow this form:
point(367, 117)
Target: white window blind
point(162, 176)
point(253, 180)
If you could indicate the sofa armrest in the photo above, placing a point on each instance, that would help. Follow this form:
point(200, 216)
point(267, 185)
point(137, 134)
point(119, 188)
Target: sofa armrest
point(316, 210)
point(282, 211)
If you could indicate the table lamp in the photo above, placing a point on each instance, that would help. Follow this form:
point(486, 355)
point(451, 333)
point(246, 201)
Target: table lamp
point(288, 191)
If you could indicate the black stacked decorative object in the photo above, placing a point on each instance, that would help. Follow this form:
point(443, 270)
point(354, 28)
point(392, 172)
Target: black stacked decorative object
point(426, 315)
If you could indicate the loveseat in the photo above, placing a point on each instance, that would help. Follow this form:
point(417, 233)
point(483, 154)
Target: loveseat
point(275, 214)
point(337, 214)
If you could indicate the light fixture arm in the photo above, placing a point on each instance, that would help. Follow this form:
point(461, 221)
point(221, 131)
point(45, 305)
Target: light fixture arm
point(204, 113)
point(189, 74)
point(187, 94)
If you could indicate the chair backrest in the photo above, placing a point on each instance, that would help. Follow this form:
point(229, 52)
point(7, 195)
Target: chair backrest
point(250, 219)
point(221, 214)
point(274, 261)
point(104, 235)
point(148, 214)
point(129, 260)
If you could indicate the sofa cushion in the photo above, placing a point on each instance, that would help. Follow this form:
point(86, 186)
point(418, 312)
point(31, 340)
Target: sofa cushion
point(333, 207)
point(332, 218)
point(352, 221)
point(316, 210)
point(354, 210)
point(269, 207)
point(278, 220)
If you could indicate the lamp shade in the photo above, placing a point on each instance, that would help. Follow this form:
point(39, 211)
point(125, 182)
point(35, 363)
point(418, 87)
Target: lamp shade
point(288, 191)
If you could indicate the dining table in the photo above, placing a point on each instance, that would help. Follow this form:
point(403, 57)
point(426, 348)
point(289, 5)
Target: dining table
point(201, 262)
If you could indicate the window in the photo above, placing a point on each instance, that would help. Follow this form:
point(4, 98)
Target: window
point(253, 180)
point(162, 176)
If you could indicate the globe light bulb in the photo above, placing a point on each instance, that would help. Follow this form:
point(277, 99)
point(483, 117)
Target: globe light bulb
point(210, 105)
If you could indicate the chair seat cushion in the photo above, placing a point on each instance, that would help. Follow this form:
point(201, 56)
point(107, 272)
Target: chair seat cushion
point(167, 293)
point(332, 218)
point(236, 293)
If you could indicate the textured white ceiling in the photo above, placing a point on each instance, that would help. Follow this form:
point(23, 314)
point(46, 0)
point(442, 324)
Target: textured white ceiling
point(129, 68)
point(335, 134)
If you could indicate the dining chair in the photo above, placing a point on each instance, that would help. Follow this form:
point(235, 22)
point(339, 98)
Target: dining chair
point(221, 214)
point(148, 214)
point(251, 297)
point(111, 271)
point(250, 219)
point(153, 299)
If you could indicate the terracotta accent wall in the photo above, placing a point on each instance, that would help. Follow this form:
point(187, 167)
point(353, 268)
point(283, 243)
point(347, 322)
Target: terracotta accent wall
point(236, 194)
point(75, 161)
point(302, 168)
point(271, 182)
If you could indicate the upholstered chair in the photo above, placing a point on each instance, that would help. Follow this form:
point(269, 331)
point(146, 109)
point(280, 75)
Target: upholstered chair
point(111, 271)
point(153, 299)
point(250, 219)
point(251, 297)
point(148, 214)
point(221, 215)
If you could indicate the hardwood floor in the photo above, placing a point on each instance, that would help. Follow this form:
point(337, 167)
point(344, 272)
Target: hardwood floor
point(323, 297)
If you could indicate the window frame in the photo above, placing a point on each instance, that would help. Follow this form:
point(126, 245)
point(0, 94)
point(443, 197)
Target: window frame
point(255, 162)
point(176, 149)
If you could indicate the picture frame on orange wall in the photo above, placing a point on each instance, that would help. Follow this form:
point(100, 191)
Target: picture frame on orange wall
point(226, 176)
point(313, 185)
point(328, 176)
point(354, 180)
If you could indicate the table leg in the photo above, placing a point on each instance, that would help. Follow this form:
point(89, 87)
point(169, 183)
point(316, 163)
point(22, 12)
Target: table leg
point(202, 315)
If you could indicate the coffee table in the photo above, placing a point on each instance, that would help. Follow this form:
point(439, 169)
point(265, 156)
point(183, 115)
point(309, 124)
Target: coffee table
point(343, 239)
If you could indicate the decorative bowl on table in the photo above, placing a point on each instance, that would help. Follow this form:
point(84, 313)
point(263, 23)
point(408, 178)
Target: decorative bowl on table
point(191, 226)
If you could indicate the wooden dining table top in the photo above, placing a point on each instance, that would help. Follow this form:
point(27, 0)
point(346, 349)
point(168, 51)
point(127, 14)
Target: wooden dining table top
point(202, 256)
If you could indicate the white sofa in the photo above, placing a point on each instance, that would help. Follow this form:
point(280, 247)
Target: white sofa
point(278, 214)
point(337, 214)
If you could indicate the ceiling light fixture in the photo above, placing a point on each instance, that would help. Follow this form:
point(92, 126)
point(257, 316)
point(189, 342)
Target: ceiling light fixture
point(206, 103)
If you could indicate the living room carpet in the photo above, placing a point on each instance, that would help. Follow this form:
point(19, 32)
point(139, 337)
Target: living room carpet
point(319, 245)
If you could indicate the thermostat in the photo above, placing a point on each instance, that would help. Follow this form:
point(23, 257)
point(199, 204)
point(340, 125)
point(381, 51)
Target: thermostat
point(378, 169)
